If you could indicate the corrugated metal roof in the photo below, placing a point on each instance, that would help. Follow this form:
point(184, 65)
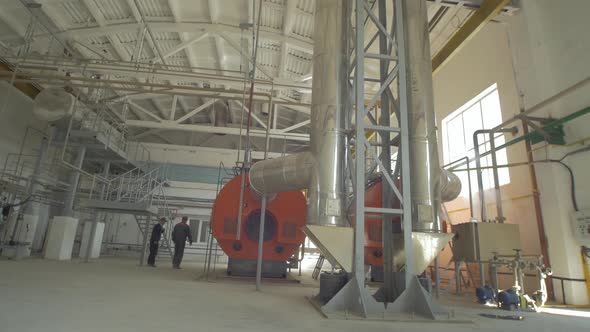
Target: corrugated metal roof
point(113, 10)
point(272, 15)
point(228, 14)
point(75, 12)
point(298, 63)
point(303, 25)
point(306, 6)
point(155, 8)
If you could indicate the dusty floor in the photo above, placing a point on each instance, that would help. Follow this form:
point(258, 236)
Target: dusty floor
point(117, 295)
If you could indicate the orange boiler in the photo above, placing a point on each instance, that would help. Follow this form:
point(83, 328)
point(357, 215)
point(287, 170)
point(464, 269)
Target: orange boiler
point(284, 220)
point(373, 224)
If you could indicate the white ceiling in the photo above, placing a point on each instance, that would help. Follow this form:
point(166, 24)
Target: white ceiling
point(204, 35)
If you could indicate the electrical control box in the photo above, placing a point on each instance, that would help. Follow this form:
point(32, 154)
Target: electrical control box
point(581, 226)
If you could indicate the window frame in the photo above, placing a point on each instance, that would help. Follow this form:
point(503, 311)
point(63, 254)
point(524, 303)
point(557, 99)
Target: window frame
point(484, 144)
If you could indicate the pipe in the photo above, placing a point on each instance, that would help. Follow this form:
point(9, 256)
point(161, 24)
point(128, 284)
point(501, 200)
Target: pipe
point(247, 153)
point(477, 158)
point(425, 183)
point(538, 210)
point(288, 173)
point(97, 217)
point(499, 210)
point(519, 139)
point(70, 195)
point(263, 206)
point(329, 92)
point(450, 186)
point(34, 185)
point(323, 169)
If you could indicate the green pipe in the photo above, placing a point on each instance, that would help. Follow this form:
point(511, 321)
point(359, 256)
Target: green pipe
point(522, 138)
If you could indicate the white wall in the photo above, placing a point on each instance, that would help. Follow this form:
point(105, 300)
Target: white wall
point(486, 60)
point(549, 44)
point(16, 114)
point(552, 47)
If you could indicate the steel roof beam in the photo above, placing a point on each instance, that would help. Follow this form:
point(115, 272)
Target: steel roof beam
point(171, 125)
point(488, 10)
point(300, 43)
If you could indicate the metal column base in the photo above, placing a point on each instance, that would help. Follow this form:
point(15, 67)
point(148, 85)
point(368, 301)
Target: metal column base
point(413, 305)
point(353, 298)
point(247, 268)
point(415, 301)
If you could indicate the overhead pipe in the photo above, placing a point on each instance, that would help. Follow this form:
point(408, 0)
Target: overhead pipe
point(321, 170)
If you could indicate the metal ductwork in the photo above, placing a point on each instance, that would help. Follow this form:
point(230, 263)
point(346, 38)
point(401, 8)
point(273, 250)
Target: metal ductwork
point(289, 173)
point(450, 186)
point(329, 90)
point(322, 170)
point(421, 119)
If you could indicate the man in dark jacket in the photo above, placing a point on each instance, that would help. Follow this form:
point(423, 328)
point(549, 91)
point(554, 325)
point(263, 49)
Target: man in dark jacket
point(180, 234)
point(157, 232)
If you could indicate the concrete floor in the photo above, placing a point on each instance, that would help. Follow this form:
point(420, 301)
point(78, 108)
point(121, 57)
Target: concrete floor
point(115, 294)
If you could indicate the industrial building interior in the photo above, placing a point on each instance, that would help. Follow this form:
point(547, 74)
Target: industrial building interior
point(341, 165)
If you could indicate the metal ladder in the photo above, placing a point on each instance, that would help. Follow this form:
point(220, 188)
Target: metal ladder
point(318, 267)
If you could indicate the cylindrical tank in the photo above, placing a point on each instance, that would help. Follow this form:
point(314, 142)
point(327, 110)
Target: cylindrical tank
point(284, 219)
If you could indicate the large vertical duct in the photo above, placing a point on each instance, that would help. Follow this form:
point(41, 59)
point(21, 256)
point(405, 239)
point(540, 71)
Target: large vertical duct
point(322, 172)
point(422, 122)
point(326, 190)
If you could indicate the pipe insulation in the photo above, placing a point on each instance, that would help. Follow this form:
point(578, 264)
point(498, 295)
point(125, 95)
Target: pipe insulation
point(322, 169)
point(288, 173)
point(326, 193)
point(425, 184)
point(450, 186)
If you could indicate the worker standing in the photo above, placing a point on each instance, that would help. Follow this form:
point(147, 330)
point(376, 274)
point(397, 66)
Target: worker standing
point(180, 234)
point(157, 232)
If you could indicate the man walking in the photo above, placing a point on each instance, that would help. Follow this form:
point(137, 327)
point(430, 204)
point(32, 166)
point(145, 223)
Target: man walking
point(180, 234)
point(157, 232)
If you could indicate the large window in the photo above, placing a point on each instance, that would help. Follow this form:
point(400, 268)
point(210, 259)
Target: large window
point(482, 112)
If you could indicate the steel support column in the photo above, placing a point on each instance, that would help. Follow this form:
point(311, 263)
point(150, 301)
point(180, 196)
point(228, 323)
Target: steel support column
point(146, 236)
point(99, 214)
point(387, 191)
point(70, 196)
